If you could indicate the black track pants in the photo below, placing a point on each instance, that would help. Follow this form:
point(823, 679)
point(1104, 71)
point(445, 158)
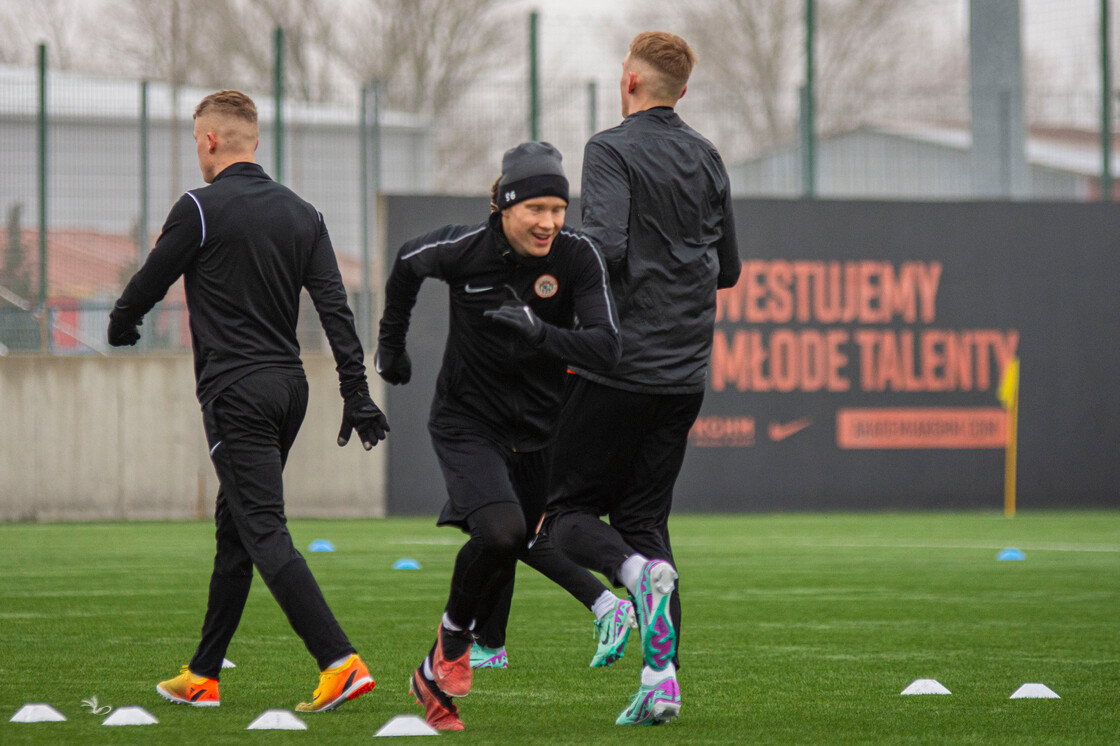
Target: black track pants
point(618, 455)
point(250, 427)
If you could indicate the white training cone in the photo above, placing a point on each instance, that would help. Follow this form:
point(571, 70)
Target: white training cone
point(925, 686)
point(131, 715)
point(406, 725)
point(227, 663)
point(1034, 691)
point(37, 712)
point(277, 720)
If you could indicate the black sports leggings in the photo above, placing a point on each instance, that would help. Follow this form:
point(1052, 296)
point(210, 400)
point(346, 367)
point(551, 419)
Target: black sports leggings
point(486, 563)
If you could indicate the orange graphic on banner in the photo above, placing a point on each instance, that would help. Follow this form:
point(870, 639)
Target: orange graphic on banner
point(931, 427)
point(717, 431)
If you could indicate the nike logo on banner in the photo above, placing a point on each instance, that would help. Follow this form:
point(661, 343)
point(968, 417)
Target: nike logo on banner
point(779, 431)
point(482, 289)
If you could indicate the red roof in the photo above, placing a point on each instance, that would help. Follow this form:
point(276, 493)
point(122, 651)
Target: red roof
point(91, 265)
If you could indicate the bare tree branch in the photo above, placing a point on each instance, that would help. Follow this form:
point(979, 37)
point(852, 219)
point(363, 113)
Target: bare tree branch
point(430, 56)
point(24, 24)
point(752, 52)
point(427, 53)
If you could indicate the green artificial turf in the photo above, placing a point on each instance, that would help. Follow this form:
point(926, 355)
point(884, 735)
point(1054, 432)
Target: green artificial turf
point(798, 629)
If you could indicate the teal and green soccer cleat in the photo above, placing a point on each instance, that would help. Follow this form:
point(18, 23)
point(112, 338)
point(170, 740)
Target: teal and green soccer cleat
point(488, 657)
point(653, 705)
point(612, 630)
point(659, 639)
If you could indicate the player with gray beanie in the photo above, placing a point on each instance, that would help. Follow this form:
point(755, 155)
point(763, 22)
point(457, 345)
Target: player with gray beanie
point(517, 284)
point(532, 169)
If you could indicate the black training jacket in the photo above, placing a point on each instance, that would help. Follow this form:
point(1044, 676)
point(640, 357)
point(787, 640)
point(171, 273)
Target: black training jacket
point(245, 246)
point(656, 200)
point(493, 383)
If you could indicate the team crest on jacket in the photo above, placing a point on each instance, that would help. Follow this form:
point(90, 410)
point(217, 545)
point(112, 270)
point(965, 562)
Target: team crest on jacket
point(546, 286)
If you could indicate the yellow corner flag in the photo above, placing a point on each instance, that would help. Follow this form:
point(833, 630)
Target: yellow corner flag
point(1008, 395)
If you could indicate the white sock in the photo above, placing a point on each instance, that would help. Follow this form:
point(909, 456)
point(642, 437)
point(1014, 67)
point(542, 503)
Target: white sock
point(603, 604)
point(651, 677)
point(428, 669)
point(450, 624)
point(630, 572)
point(339, 662)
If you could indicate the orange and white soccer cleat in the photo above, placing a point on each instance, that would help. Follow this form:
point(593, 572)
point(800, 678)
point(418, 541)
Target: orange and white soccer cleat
point(188, 689)
point(337, 685)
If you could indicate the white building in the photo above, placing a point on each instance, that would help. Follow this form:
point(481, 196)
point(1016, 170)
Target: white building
point(914, 161)
point(94, 153)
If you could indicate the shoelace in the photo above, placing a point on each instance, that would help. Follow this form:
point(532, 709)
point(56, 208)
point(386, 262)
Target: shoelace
point(602, 629)
point(96, 709)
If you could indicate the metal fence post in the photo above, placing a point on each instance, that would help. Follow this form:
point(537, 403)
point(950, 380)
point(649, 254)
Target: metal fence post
point(44, 311)
point(278, 102)
point(363, 191)
point(534, 79)
point(592, 108)
point(808, 113)
point(142, 229)
point(375, 147)
point(1106, 106)
point(369, 140)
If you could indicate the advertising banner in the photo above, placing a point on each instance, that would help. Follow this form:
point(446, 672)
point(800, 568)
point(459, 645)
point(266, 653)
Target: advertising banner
point(856, 364)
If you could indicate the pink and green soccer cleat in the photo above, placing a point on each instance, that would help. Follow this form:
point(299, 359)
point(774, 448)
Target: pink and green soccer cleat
point(653, 705)
point(659, 639)
point(612, 630)
point(488, 657)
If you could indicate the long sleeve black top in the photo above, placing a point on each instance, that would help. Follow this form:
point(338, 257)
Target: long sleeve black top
point(245, 246)
point(657, 201)
point(493, 383)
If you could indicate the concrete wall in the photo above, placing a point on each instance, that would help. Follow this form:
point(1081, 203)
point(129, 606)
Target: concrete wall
point(85, 438)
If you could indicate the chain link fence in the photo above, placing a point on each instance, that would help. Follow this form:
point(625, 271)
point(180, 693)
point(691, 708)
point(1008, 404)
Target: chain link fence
point(99, 161)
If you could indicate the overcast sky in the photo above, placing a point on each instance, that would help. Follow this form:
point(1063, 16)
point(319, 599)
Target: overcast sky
point(1060, 34)
point(586, 39)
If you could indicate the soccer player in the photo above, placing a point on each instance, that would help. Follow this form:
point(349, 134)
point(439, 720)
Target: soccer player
point(527, 298)
point(656, 200)
point(614, 617)
point(245, 246)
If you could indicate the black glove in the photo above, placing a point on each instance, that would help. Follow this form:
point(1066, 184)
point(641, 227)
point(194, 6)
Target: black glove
point(361, 414)
point(122, 332)
point(393, 365)
point(515, 313)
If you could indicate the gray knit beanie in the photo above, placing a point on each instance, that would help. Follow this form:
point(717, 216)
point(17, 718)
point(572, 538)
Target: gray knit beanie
point(532, 169)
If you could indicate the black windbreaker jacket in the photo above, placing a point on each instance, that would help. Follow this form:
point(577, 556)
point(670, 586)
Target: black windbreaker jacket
point(493, 383)
point(245, 245)
point(657, 201)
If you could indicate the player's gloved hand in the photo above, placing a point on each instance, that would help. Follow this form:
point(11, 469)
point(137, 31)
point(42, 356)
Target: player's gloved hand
point(122, 332)
point(361, 414)
point(392, 364)
point(516, 314)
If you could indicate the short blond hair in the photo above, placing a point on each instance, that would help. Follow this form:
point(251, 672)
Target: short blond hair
point(228, 103)
point(668, 55)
